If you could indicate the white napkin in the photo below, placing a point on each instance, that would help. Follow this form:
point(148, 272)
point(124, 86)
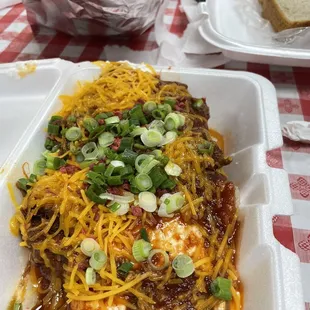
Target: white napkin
point(297, 131)
point(191, 50)
point(6, 3)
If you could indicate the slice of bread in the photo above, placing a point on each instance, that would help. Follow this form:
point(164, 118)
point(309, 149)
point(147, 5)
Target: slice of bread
point(285, 14)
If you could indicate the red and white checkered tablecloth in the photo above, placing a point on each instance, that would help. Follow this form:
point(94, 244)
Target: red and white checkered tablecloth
point(19, 42)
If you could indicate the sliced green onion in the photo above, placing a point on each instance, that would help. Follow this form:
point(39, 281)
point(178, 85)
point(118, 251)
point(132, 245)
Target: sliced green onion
point(182, 119)
point(164, 197)
point(98, 260)
point(144, 235)
point(206, 148)
point(87, 163)
point(138, 131)
point(173, 169)
point(171, 101)
point(125, 114)
point(143, 182)
point(79, 157)
point(126, 143)
point(39, 167)
point(55, 118)
point(101, 116)
point(105, 139)
point(89, 246)
point(149, 106)
point(129, 157)
point(183, 266)
point(49, 144)
point(158, 263)
point(136, 113)
point(90, 276)
point(93, 193)
point(117, 163)
point(162, 211)
point(119, 208)
point(174, 203)
point(148, 201)
point(168, 184)
point(165, 107)
point(115, 180)
point(18, 306)
point(169, 137)
point(22, 184)
point(71, 119)
point(145, 163)
point(90, 124)
point(198, 103)
point(95, 178)
point(172, 121)
point(141, 250)
point(158, 125)
point(112, 120)
point(140, 146)
point(158, 176)
point(134, 122)
point(73, 148)
point(32, 178)
point(152, 138)
point(99, 168)
point(73, 134)
point(54, 163)
point(125, 128)
point(221, 288)
point(126, 198)
point(114, 206)
point(158, 114)
point(53, 129)
point(90, 151)
point(125, 267)
point(115, 129)
point(96, 132)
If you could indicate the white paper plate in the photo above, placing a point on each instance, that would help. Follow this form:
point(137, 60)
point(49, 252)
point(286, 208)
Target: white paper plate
point(244, 109)
point(237, 28)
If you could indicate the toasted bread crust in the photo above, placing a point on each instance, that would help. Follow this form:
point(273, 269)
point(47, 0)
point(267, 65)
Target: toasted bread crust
point(273, 12)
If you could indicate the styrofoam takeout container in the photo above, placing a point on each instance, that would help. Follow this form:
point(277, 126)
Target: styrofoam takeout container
point(237, 28)
point(244, 109)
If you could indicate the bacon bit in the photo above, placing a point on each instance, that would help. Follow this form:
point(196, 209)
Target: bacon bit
point(115, 190)
point(161, 192)
point(126, 186)
point(118, 113)
point(180, 106)
point(91, 166)
point(136, 210)
point(83, 265)
point(140, 101)
point(69, 169)
point(116, 144)
point(101, 121)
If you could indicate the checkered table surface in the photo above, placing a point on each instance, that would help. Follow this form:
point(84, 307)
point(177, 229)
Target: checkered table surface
point(19, 42)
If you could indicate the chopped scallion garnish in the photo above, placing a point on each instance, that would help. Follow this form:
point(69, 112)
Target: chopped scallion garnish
point(90, 276)
point(125, 267)
point(98, 260)
point(141, 250)
point(73, 134)
point(183, 266)
point(221, 288)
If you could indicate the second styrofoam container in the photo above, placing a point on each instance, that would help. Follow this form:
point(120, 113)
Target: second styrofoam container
point(244, 109)
point(237, 28)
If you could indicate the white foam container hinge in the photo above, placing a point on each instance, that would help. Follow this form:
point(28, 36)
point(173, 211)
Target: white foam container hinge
point(244, 109)
point(235, 26)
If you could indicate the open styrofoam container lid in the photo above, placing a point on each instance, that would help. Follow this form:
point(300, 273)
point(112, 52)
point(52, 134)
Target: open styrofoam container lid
point(243, 108)
point(233, 26)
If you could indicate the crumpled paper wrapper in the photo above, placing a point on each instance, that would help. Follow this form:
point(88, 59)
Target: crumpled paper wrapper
point(93, 17)
point(297, 131)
